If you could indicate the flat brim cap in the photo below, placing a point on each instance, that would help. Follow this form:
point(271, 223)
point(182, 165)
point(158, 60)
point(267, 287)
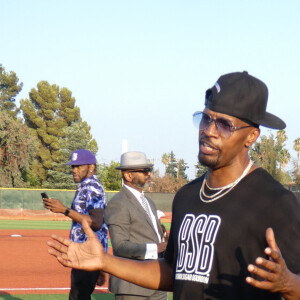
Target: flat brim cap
point(134, 160)
point(82, 157)
point(242, 96)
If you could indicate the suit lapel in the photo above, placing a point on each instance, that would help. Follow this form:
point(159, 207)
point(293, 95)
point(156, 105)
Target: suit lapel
point(140, 209)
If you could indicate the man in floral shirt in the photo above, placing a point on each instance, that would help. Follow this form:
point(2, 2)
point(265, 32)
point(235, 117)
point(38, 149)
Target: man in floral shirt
point(89, 203)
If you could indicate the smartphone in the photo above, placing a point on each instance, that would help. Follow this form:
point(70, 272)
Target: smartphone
point(44, 195)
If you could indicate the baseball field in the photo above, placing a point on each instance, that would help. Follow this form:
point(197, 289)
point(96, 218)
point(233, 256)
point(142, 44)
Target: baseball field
point(27, 271)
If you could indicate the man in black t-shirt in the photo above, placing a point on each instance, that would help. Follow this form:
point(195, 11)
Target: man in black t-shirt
point(222, 243)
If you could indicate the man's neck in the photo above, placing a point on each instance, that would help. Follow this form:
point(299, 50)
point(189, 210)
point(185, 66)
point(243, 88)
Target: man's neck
point(225, 175)
point(133, 187)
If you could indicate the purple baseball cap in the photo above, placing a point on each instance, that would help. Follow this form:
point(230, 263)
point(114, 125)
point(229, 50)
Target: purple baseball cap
point(82, 157)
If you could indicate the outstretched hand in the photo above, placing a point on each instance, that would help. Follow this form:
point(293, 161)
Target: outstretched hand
point(85, 256)
point(275, 275)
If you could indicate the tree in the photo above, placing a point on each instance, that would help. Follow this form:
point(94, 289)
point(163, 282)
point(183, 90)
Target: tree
point(165, 160)
point(174, 167)
point(49, 111)
point(181, 168)
point(9, 89)
point(165, 184)
point(283, 154)
point(200, 170)
point(297, 149)
point(270, 153)
point(110, 177)
point(18, 148)
point(77, 136)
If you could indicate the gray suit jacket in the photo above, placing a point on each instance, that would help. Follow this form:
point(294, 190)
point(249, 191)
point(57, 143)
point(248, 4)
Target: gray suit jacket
point(130, 230)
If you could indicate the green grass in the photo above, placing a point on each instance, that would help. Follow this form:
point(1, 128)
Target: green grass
point(29, 224)
point(35, 224)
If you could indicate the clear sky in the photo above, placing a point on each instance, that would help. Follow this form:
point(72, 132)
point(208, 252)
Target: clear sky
point(139, 69)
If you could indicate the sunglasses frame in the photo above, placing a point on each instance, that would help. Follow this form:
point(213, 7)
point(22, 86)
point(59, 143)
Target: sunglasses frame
point(144, 171)
point(222, 132)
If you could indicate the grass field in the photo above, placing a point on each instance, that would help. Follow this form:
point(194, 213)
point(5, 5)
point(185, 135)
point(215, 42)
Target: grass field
point(34, 224)
point(55, 225)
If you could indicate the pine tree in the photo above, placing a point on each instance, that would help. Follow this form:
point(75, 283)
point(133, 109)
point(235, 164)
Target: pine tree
point(175, 167)
point(49, 111)
point(172, 165)
point(77, 136)
point(200, 170)
point(9, 89)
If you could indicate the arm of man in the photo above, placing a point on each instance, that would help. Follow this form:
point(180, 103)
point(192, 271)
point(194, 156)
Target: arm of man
point(90, 256)
point(94, 219)
point(274, 272)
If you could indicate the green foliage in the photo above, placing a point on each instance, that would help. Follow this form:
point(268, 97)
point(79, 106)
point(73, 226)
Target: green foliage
point(49, 112)
point(76, 136)
point(165, 160)
point(9, 89)
point(110, 177)
point(296, 163)
point(200, 170)
point(18, 148)
point(270, 153)
point(174, 167)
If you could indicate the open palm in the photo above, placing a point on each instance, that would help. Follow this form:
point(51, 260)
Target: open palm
point(86, 256)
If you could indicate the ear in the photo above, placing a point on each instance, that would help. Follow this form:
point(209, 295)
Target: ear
point(252, 137)
point(127, 176)
point(91, 168)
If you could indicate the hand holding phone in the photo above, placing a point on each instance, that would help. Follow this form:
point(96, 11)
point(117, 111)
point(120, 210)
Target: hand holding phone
point(44, 195)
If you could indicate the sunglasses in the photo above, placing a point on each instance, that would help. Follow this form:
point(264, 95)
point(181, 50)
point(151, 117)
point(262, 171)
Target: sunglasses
point(224, 126)
point(144, 171)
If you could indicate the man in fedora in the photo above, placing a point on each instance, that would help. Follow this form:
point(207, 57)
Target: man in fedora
point(133, 225)
point(88, 204)
point(235, 231)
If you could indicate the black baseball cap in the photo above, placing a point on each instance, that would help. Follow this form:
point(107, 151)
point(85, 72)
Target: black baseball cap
point(242, 96)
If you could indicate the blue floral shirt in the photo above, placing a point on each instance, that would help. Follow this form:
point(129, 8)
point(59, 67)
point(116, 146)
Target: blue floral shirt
point(89, 195)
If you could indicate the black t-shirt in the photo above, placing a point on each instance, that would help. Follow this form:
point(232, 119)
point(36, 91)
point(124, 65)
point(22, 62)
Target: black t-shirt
point(211, 244)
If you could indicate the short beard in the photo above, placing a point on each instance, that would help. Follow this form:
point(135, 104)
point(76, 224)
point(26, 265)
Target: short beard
point(203, 160)
point(137, 184)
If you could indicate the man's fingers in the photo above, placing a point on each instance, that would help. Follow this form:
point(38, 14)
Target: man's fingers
point(266, 273)
point(264, 285)
point(61, 239)
point(87, 229)
point(270, 237)
point(59, 243)
point(64, 262)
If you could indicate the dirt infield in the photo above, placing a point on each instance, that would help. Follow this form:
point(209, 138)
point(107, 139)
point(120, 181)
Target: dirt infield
point(26, 266)
point(29, 214)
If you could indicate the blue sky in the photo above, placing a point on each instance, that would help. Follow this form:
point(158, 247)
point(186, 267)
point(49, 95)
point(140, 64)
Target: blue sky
point(139, 69)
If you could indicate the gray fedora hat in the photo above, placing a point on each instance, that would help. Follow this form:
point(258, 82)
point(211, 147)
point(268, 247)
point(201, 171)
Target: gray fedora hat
point(134, 160)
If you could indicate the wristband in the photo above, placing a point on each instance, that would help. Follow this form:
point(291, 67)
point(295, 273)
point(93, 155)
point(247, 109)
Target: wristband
point(66, 213)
